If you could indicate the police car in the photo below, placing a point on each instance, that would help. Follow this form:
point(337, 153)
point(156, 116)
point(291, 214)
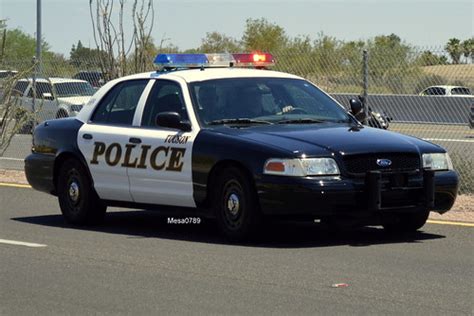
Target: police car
point(220, 135)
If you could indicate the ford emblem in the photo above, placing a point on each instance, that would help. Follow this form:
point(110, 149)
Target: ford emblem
point(384, 162)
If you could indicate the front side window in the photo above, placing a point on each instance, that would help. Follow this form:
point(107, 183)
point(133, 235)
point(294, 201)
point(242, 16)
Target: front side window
point(165, 96)
point(118, 106)
point(436, 91)
point(42, 88)
point(20, 88)
point(270, 99)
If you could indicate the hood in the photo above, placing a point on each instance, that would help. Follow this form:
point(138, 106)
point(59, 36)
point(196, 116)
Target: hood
point(77, 100)
point(320, 139)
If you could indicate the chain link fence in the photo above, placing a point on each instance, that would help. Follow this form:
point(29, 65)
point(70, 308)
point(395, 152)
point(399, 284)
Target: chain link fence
point(417, 89)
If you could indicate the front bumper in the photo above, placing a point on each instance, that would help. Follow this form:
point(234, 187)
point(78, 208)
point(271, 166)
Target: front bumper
point(377, 192)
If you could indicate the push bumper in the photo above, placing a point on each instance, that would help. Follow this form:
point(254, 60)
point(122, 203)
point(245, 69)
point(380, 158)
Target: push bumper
point(377, 192)
point(39, 171)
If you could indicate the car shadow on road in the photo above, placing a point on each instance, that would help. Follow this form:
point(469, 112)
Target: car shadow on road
point(150, 224)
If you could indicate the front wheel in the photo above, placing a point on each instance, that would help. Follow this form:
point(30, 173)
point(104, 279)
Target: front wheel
point(78, 201)
point(236, 205)
point(408, 222)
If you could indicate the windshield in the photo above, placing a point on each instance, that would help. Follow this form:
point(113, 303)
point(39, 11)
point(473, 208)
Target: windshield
point(71, 89)
point(270, 99)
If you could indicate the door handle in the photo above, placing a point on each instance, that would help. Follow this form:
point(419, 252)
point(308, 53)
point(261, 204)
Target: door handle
point(135, 140)
point(87, 136)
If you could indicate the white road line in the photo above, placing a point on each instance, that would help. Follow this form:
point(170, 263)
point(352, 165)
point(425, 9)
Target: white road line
point(21, 243)
point(449, 140)
point(13, 159)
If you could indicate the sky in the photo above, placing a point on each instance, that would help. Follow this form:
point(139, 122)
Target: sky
point(424, 23)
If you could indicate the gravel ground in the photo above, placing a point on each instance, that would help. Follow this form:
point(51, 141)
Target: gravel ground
point(462, 211)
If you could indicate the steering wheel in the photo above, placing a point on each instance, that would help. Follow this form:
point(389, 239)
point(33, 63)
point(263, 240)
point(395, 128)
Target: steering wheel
point(298, 111)
point(293, 110)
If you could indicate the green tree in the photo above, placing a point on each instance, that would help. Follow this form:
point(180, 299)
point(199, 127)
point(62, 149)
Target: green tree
point(391, 63)
point(19, 45)
point(216, 42)
point(468, 48)
point(259, 34)
point(83, 57)
point(327, 53)
point(454, 49)
point(297, 57)
point(427, 58)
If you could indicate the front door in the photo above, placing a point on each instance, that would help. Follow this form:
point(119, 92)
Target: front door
point(161, 171)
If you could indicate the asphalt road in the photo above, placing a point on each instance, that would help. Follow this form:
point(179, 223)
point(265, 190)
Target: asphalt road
point(136, 263)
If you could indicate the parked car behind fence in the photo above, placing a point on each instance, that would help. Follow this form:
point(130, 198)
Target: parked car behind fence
point(54, 97)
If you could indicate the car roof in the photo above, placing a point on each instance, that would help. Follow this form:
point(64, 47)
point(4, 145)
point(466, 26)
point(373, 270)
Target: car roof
point(54, 80)
point(447, 87)
point(193, 75)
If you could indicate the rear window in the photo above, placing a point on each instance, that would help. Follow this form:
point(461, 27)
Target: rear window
point(69, 89)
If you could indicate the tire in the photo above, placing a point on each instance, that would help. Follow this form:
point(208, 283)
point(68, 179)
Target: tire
point(409, 222)
point(236, 205)
point(78, 201)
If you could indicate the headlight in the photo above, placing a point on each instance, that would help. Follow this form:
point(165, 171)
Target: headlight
point(301, 167)
point(437, 161)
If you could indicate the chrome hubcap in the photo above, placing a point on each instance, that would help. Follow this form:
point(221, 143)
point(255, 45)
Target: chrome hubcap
point(233, 204)
point(74, 191)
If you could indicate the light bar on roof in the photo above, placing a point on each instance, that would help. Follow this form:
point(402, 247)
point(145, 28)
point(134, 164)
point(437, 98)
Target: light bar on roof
point(183, 61)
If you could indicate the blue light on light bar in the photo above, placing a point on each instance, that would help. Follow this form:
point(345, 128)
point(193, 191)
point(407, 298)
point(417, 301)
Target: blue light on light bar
point(174, 60)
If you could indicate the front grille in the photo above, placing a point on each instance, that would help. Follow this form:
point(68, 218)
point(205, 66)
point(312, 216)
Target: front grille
point(360, 164)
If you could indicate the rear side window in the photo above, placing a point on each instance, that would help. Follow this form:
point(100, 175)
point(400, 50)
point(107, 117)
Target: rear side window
point(41, 88)
point(460, 91)
point(118, 106)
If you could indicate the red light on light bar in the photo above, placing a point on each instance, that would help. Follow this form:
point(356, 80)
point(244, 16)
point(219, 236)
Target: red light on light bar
point(259, 57)
point(254, 60)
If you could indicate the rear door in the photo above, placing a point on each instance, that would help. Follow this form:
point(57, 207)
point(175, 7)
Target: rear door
point(105, 139)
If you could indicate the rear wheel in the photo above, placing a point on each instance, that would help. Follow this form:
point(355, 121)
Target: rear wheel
point(236, 205)
point(408, 222)
point(78, 201)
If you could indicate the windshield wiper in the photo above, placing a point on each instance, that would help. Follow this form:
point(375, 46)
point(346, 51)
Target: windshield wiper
point(238, 121)
point(300, 121)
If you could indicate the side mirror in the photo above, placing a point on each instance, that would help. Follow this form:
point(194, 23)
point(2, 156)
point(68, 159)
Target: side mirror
point(356, 109)
point(172, 120)
point(47, 96)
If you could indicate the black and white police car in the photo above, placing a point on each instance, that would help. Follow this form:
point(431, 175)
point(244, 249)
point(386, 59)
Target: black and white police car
point(219, 135)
